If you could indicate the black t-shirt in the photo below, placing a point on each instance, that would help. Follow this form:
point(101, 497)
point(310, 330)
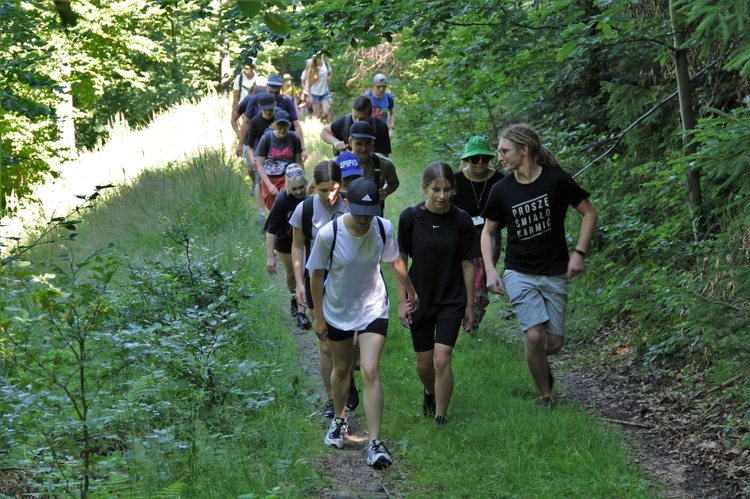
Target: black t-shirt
point(249, 107)
point(379, 127)
point(437, 244)
point(277, 222)
point(534, 215)
point(258, 126)
point(472, 196)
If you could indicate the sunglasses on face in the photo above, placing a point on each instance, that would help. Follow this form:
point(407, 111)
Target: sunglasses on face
point(294, 172)
point(380, 87)
point(480, 158)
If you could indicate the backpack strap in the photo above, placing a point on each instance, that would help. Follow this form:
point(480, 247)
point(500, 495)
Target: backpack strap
point(307, 214)
point(376, 168)
point(333, 243)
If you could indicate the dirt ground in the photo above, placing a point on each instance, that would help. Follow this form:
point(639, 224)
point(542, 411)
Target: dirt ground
point(671, 436)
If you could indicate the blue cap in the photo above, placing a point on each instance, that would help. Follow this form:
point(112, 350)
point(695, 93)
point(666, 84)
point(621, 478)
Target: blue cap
point(349, 164)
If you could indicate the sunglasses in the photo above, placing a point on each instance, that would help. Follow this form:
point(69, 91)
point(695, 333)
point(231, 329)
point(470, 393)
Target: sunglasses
point(380, 87)
point(294, 172)
point(481, 157)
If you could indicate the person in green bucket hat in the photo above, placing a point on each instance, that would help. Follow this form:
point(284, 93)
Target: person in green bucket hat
point(474, 180)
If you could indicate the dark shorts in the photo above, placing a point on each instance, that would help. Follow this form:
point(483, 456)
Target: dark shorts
point(431, 330)
point(378, 326)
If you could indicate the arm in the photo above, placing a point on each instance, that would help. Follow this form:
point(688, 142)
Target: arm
point(235, 101)
point(408, 301)
point(260, 162)
point(316, 286)
point(328, 136)
point(392, 122)
point(243, 133)
point(487, 241)
point(298, 264)
point(270, 258)
point(298, 131)
point(469, 271)
point(590, 217)
point(390, 185)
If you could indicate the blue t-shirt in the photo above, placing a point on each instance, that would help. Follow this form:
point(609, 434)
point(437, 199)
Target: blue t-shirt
point(381, 106)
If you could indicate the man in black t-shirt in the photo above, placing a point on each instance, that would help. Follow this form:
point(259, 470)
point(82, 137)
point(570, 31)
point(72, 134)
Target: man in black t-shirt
point(337, 133)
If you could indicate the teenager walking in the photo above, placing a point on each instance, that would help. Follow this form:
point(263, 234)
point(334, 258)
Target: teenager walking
point(279, 235)
point(356, 301)
point(531, 205)
point(474, 180)
point(441, 241)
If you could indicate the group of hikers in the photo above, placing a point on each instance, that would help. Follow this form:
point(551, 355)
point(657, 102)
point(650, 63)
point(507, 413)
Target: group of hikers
point(331, 238)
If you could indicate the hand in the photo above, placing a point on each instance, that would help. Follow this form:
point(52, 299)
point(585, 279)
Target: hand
point(390, 133)
point(238, 150)
point(271, 265)
point(272, 190)
point(575, 265)
point(301, 296)
point(495, 284)
point(304, 156)
point(341, 145)
point(468, 321)
point(382, 193)
point(404, 314)
point(321, 328)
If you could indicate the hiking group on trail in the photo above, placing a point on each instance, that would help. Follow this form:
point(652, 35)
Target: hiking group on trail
point(332, 243)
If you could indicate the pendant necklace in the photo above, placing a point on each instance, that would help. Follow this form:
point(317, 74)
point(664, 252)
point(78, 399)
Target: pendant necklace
point(471, 183)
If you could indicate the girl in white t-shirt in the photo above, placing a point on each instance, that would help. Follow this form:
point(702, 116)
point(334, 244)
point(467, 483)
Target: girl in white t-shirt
point(354, 299)
point(317, 75)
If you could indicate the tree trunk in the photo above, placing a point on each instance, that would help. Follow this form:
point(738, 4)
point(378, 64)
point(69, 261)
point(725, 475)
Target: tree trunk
point(684, 89)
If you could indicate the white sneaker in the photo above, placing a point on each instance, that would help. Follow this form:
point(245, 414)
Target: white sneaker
point(377, 455)
point(336, 432)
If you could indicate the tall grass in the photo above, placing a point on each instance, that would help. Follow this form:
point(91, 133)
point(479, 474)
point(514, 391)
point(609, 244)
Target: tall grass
point(497, 442)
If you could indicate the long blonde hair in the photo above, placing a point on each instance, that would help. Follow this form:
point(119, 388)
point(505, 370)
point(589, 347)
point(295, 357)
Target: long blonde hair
point(313, 70)
point(524, 135)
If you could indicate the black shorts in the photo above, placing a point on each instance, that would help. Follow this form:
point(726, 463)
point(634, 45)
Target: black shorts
point(431, 330)
point(378, 326)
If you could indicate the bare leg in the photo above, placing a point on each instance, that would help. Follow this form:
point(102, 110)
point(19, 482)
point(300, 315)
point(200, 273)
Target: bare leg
point(341, 353)
point(443, 378)
point(536, 358)
point(370, 348)
point(426, 369)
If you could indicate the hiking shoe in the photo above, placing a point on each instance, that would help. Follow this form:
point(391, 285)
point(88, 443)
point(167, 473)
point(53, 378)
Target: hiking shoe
point(352, 400)
point(428, 404)
point(441, 421)
point(336, 432)
point(303, 322)
point(377, 455)
point(260, 218)
point(293, 308)
point(328, 410)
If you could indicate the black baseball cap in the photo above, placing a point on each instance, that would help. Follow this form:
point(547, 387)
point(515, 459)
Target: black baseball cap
point(363, 198)
point(362, 130)
point(266, 101)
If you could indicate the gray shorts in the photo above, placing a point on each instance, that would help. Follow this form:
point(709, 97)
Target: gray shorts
point(538, 299)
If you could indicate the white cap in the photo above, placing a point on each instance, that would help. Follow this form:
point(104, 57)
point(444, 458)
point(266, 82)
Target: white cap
point(379, 78)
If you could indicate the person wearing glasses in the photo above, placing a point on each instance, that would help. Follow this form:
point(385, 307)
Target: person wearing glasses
point(531, 204)
point(474, 180)
point(249, 106)
point(279, 235)
point(383, 105)
point(441, 241)
point(275, 152)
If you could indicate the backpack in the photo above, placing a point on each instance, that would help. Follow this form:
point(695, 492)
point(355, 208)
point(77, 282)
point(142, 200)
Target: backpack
point(307, 214)
point(348, 122)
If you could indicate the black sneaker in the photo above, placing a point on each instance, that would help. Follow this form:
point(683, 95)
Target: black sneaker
point(328, 410)
point(293, 308)
point(303, 322)
point(441, 421)
point(352, 400)
point(428, 405)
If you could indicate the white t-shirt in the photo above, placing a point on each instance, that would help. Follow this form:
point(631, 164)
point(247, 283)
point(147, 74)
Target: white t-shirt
point(247, 84)
point(322, 214)
point(355, 292)
point(320, 87)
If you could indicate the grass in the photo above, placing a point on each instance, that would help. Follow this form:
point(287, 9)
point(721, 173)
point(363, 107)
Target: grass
point(497, 443)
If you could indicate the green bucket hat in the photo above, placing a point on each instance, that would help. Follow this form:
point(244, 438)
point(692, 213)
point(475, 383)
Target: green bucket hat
point(478, 145)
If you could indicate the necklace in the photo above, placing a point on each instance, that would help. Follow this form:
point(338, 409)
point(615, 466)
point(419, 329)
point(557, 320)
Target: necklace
point(478, 199)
